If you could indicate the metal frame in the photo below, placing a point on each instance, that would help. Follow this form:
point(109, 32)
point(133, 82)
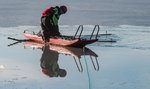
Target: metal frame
point(98, 28)
point(29, 31)
point(81, 27)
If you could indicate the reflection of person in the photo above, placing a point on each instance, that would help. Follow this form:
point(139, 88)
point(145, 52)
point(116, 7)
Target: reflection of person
point(49, 63)
point(49, 21)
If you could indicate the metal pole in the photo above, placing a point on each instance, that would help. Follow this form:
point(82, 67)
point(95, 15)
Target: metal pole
point(94, 31)
point(80, 26)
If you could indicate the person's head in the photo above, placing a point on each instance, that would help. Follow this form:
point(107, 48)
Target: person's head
point(63, 9)
point(62, 72)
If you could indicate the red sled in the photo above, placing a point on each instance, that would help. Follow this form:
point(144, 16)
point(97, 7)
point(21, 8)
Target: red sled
point(64, 40)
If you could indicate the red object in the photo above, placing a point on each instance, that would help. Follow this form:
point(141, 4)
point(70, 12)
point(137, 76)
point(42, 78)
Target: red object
point(45, 72)
point(59, 41)
point(76, 52)
point(47, 11)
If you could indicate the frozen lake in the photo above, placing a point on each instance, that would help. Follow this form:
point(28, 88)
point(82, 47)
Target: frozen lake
point(121, 65)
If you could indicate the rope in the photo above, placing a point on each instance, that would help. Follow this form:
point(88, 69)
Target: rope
point(88, 74)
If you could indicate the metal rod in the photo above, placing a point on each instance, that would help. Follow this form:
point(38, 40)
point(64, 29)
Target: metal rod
point(94, 31)
point(81, 68)
point(97, 32)
point(20, 40)
point(29, 31)
point(94, 64)
point(80, 26)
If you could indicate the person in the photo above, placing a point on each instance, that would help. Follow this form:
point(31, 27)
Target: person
point(49, 63)
point(49, 21)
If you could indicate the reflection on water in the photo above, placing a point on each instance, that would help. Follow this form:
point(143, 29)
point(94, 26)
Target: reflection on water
point(2, 67)
point(121, 66)
point(50, 57)
point(49, 63)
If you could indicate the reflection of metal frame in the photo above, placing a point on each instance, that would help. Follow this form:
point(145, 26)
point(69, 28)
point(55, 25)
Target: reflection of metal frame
point(79, 68)
point(97, 69)
point(79, 64)
point(75, 52)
